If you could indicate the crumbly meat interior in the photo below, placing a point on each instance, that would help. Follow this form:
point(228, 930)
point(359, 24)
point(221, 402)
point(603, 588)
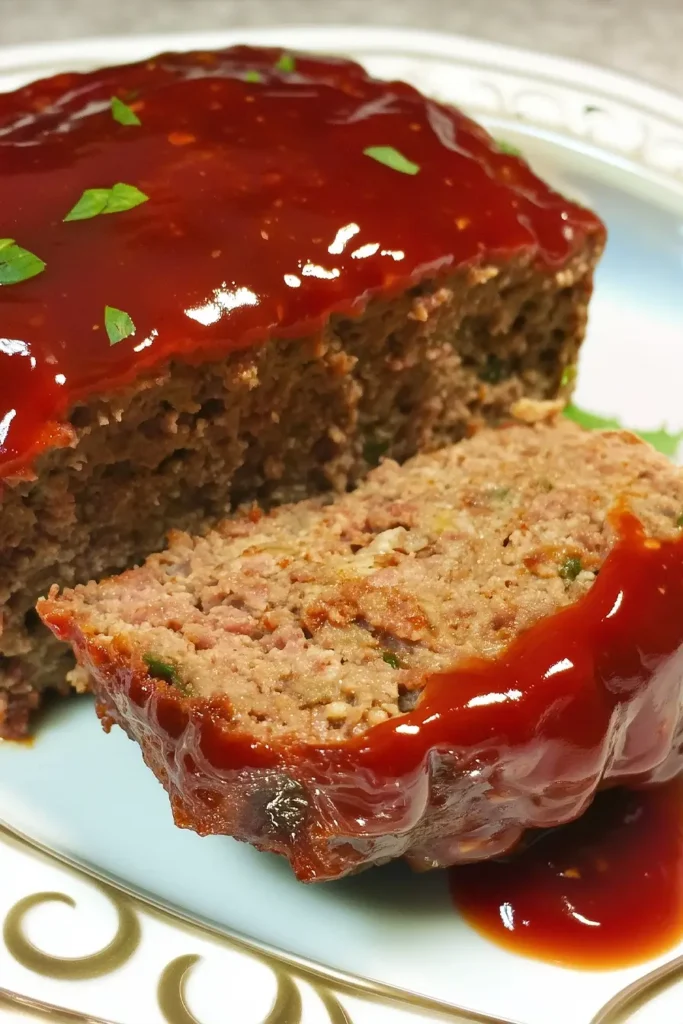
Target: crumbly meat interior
point(324, 618)
point(277, 423)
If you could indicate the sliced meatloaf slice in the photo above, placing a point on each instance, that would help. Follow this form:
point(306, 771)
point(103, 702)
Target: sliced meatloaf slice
point(464, 647)
point(300, 268)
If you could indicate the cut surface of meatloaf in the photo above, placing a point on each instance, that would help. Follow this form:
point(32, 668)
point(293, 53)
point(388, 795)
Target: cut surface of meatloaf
point(246, 274)
point(465, 647)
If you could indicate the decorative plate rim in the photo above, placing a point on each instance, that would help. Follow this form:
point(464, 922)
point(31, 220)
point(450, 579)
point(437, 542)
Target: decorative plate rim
point(635, 125)
point(288, 968)
point(419, 42)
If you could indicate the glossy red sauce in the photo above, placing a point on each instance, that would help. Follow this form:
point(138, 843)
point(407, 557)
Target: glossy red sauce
point(563, 683)
point(591, 695)
point(603, 892)
point(264, 216)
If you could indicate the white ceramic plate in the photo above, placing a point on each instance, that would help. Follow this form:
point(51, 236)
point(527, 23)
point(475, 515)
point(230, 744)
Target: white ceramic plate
point(236, 938)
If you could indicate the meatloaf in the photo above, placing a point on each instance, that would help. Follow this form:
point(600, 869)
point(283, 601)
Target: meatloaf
point(246, 274)
point(463, 648)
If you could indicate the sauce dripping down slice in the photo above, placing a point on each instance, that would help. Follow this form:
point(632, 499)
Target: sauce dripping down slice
point(605, 891)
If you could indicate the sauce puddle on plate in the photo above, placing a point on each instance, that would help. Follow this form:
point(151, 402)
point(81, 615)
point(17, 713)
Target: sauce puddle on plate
point(603, 892)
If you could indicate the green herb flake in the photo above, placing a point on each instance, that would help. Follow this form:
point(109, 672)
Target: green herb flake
point(374, 450)
point(679, 521)
point(499, 493)
point(253, 76)
point(568, 376)
point(124, 197)
point(570, 569)
point(664, 441)
point(590, 420)
point(161, 669)
point(507, 148)
point(391, 659)
point(286, 63)
point(391, 157)
point(95, 201)
point(118, 325)
point(92, 202)
point(122, 113)
point(17, 264)
point(493, 371)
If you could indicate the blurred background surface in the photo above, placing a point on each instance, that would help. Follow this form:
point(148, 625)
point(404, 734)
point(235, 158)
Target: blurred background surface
point(639, 37)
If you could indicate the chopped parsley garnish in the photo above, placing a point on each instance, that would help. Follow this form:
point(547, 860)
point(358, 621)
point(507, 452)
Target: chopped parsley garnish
point(507, 148)
point(161, 669)
point(374, 450)
point(106, 200)
point(662, 440)
point(391, 157)
point(124, 197)
point(92, 202)
point(118, 325)
point(122, 113)
point(679, 521)
point(391, 659)
point(253, 76)
point(286, 63)
point(17, 264)
point(590, 420)
point(570, 569)
point(568, 376)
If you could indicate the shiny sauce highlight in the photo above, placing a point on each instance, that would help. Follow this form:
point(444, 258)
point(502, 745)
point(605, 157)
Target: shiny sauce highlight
point(264, 216)
point(588, 696)
point(563, 683)
point(604, 892)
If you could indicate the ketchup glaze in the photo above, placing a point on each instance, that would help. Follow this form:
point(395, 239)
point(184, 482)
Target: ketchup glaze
point(589, 696)
point(264, 215)
point(603, 892)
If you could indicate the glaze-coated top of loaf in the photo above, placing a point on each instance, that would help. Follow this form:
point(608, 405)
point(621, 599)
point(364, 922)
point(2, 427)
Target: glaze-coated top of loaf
point(247, 206)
